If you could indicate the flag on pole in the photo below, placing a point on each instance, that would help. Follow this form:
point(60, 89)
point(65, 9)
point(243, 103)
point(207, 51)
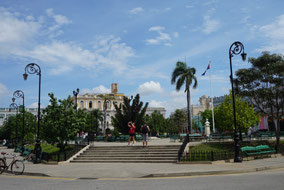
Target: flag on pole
point(208, 67)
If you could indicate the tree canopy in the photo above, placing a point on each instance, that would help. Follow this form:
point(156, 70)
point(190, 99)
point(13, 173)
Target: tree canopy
point(130, 110)
point(246, 116)
point(263, 84)
point(178, 122)
point(157, 123)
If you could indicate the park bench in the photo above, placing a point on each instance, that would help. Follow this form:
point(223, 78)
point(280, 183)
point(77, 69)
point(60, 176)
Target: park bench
point(265, 150)
point(122, 138)
point(110, 139)
point(215, 136)
point(173, 138)
point(257, 151)
point(138, 138)
point(195, 137)
point(163, 136)
point(27, 151)
point(99, 138)
point(18, 149)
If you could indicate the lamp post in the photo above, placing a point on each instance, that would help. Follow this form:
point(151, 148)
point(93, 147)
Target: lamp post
point(13, 105)
point(20, 94)
point(236, 49)
point(33, 68)
point(75, 93)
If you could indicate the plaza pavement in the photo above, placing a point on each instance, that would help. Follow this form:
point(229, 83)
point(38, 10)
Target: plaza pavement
point(138, 170)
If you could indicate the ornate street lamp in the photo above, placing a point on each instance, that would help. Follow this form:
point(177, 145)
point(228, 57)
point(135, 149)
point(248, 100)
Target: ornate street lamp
point(20, 94)
point(75, 93)
point(236, 49)
point(33, 68)
point(14, 106)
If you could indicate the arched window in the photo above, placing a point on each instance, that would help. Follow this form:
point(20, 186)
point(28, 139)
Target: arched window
point(99, 105)
point(107, 104)
point(82, 104)
point(90, 104)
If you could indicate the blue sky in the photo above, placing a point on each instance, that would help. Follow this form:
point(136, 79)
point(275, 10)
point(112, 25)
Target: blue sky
point(90, 44)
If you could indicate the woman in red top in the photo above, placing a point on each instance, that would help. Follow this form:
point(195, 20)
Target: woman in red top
point(132, 128)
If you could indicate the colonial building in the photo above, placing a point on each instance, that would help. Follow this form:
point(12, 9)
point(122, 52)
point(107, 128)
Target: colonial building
point(92, 101)
point(205, 104)
point(150, 110)
point(5, 113)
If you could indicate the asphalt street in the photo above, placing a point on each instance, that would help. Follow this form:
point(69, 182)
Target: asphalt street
point(264, 180)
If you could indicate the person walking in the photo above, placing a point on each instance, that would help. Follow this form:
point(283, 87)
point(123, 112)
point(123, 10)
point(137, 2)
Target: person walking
point(145, 129)
point(132, 128)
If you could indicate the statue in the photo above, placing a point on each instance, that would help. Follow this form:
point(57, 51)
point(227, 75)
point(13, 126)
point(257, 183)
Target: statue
point(207, 128)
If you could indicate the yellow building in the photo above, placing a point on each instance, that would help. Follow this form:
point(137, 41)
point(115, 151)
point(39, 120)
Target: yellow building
point(92, 101)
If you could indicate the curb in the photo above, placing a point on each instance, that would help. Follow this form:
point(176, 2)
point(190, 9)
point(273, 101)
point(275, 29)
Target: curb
point(212, 172)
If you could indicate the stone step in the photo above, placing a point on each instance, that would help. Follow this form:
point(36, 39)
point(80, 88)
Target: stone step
point(124, 161)
point(130, 152)
point(133, 147)
point(129, 155)
point(126, 158)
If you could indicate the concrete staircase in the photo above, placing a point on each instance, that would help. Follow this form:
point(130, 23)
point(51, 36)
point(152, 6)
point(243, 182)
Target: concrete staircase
point(129, 154)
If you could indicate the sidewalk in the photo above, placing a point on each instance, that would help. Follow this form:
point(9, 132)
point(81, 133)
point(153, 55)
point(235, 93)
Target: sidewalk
point(138, 170)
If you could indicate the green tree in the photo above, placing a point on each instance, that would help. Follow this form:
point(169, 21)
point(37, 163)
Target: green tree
point(59, 121)
point(263, 84)
point(177, 122)
point(126, 112)
point(156, 123)
point(207, 114)
point(94, 118)
point(246, 116)
point(8, 131)
point(184, 75)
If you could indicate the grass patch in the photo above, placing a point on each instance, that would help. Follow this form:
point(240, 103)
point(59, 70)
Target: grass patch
point(215, 147)
point(48, 148)
point(230, 146)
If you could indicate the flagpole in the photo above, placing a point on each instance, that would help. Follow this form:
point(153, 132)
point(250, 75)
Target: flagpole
point(211, 98)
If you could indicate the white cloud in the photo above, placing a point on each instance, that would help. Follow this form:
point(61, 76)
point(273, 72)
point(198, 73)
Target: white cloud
point(15, 32)
point(176, 34)
point(149, 88)
point(18, 38)
point(113, 54)
point(155, 103)
point(210, 25)
point(3, 90)
point(157, 28)
point(61, 56)
point(162, 38)
point(59, 20)
point(275, 33)
point(33, 105)
point(136, 10)
point(99, 90)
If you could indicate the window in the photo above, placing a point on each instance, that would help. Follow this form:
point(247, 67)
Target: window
point(90, 104)
point(107, 104)
point(82, 104)
point(99, 104)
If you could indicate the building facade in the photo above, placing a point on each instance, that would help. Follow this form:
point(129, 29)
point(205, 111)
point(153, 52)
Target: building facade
point(90, 101)
point(5, 113)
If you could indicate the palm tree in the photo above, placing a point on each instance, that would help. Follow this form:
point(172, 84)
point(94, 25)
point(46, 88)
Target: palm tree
point(181, 75)
point(106, 98)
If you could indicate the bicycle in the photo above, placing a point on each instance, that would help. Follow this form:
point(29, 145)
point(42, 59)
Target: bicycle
point(17, 166)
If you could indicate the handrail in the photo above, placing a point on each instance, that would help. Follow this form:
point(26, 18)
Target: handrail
point(182, 147)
